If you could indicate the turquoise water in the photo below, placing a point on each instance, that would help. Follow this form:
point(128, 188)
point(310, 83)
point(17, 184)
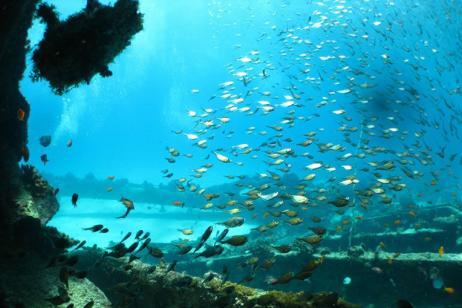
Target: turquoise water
point(343, 114)
point(162, 222)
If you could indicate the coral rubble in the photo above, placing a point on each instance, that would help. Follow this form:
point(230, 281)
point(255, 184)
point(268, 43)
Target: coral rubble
point(137, 284)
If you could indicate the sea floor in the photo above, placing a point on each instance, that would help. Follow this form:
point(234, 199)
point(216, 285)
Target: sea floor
point(163, 222)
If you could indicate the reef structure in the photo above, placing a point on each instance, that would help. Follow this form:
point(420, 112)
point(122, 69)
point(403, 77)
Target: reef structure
point(74, 50)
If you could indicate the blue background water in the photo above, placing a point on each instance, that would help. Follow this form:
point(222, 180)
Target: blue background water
point(121, 125)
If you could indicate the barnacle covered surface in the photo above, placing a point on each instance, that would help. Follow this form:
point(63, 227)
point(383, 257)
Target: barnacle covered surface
point(36, 197)
point(137, 284)
point(75, 50)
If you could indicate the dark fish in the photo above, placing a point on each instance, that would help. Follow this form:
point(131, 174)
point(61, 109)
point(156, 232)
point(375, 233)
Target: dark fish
point(144, 245)
point(80, 245)
point(145, 236)
point(283, 248)
point(132, 247)
point(285, 278)
point(118, 251)
point(171, 266)
point(25, 153)
point(183, 249)
point(211, 251)
point(64, 276)
point(74, 199)
point(72, 260)
point(126, 237)
point(233, 222)
point(204, 238)
point(340, 201)
point(222, 235)
point(80, 274)
point(402, 303)
point(208, 277)
point(155, 252)
point(104, 230)
point(62, 298)
point(225, 273)
point(138, 234)
point(132, 258)
point(56, 191)
point(44, 158)
point(94, 228)
point(318, 230)
point(236, 240)
point(45, 141)
point(60, 259)
point(89, 304)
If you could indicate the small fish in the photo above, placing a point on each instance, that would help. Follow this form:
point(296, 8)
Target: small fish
point(138, 234)
point(62, 298)
point(233, 222)
point(64, 276)
point(144, 245)
point(72, 260)
point(222, 158)
point(283, 248)
point(126, 237)
point(129, 206)
point(104, 230)
point(222, 235)
point(79, 275)
point(45, 141)
point(285, 278)
point(80, 245)
point(172, 266)
point(236, 240)
point(312, 240)
point(183, 249)
point(377, 270)
point(402, 303)
point(449, 290)
point(21, 115)
point(95, 228)
point(155, 252)
point(340, 201)
point(224, 274)
point(178, 203)
point(69, 143)
point(186, 231)
point(441, 251)
point(132, 247)
point(89, 304)
point(211, 251)
point(74, 199)
point(25, 154)
point(204, 238)
point(44, 158)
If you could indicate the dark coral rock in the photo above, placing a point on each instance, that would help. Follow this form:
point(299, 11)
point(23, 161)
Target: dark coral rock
point(36, 197)
point(75, 50)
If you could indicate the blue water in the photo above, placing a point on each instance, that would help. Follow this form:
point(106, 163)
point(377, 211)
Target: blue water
point(378, 78)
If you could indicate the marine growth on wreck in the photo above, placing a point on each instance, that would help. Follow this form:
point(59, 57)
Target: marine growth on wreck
point(230, 153)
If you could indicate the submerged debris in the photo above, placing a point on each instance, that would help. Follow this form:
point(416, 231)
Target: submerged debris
point(74, 50)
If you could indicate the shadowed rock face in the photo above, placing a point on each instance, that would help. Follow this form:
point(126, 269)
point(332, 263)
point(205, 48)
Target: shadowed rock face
point(27, 201)
point(15, 20)
point(72, 52)
point(75, 50)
